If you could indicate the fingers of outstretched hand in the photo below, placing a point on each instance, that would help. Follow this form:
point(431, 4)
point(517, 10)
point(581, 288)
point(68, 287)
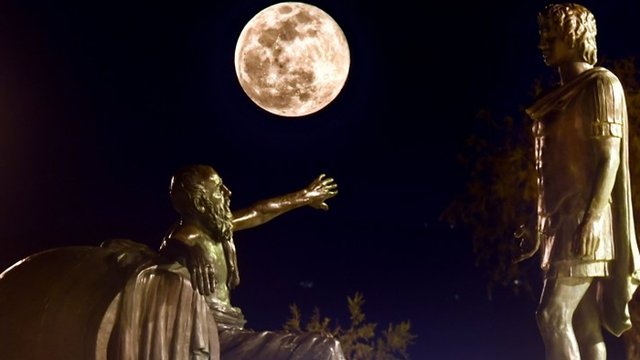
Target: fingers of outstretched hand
point(331, 188)
point(328, 182)
point(319, 205)
point(317, 181)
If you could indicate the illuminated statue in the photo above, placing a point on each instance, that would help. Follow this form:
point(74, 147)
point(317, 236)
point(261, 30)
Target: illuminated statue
point(124, 301)
point(203, 237)
point(585, 229)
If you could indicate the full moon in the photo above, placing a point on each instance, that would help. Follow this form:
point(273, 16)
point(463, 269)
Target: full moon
point(292, 59)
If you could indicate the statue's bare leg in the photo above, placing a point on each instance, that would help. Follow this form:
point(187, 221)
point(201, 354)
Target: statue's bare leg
point(559, 300)
point(587, 327)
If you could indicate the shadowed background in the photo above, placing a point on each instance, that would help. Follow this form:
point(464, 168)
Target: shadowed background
point(101, 102)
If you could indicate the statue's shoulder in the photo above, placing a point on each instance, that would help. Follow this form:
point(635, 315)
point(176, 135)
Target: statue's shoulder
point(187, 233)
point(600, 76)
point(602, 72)
point(604, 84)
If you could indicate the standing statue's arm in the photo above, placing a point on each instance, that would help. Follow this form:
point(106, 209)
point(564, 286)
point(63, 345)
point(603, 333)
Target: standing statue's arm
point(608, 155)
point(314, 195)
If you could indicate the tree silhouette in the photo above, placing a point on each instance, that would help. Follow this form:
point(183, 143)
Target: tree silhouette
point(359, 340)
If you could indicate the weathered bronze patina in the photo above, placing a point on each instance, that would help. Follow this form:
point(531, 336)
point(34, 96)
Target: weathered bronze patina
point(124, 301)
point(585, 228)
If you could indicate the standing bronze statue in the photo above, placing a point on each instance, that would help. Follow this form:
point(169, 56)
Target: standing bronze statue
point(585, 229)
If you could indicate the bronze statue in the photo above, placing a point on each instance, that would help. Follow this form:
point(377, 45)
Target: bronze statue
point(203, 239)
point(116, 302)
point(585, 228)
point(124, 301)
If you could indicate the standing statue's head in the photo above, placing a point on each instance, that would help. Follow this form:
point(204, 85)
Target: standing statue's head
point(197, 193)
point(574, 26)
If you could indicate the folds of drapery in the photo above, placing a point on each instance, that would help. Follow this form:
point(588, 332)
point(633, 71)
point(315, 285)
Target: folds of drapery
point(113, 302)
point(160, 317)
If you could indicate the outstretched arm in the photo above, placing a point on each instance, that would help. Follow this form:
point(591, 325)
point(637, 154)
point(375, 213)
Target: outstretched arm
point(314, 195)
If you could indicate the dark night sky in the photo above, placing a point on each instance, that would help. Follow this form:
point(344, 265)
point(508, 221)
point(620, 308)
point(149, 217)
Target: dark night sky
point(101, 102)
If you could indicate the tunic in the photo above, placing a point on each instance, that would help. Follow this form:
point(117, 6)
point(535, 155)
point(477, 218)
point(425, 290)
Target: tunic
point(568, 122)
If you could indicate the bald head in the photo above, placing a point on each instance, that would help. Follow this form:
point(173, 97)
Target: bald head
point(189, 186)
point(198, 194)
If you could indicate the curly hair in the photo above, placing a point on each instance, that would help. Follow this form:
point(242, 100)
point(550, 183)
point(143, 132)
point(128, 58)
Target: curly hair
point(577, 26)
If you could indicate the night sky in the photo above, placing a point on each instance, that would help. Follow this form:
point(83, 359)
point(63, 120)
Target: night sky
point(100, 102)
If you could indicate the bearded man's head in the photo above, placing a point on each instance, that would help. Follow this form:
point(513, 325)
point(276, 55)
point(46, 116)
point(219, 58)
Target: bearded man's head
point(197, 193)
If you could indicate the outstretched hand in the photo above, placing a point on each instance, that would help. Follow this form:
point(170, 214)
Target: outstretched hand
point(321, 189)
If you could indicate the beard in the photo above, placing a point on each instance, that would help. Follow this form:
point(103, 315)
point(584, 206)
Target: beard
point(219, 223)
point(218, 220)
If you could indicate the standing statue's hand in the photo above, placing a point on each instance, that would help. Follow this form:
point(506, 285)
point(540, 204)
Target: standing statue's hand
point(201, 270)
point(584, 244)
point(320, 190)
